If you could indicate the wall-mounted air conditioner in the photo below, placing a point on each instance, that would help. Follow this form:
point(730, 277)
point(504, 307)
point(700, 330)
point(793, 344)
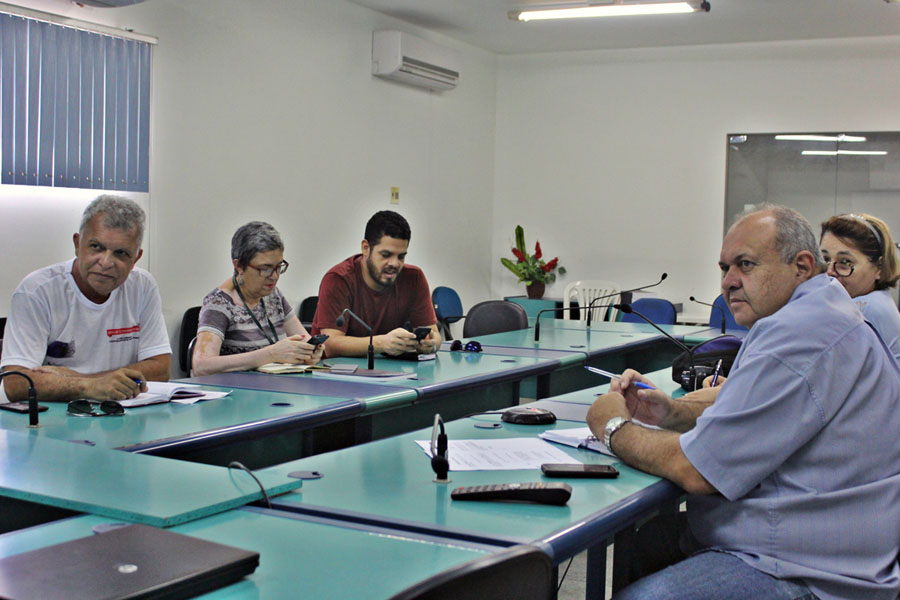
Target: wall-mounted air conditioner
point(404, 57)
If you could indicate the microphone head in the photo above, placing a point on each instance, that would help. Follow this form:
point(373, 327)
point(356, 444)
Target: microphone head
point(625, 308)
point(664, 275)
point(692, 299)
point(339, 321)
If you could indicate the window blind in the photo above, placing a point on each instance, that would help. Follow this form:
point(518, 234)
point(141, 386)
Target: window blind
point(74, 107)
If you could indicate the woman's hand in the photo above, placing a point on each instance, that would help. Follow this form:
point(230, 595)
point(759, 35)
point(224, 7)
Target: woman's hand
point(291, 350)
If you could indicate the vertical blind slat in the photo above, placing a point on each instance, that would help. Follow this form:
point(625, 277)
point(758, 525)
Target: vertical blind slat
point(48, 104)
point(7, 64)
point(74, 107)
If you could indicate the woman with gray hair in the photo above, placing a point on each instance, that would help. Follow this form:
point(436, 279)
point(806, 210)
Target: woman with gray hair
point(246, 322)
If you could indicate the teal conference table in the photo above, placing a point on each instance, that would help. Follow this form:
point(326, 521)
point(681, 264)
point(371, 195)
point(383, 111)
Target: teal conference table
point(257, 428)
point(300, 557)
point(610, 345)
point(454, 384)
point(389, 483)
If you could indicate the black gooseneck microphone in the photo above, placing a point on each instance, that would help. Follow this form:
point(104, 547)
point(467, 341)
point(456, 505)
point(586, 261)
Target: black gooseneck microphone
point(440, 463)
point(537, 321)
point(32, 398)
point(626, 308)
point(340, 323)
point(719, 308)
point(626, 296)
point(590, 306)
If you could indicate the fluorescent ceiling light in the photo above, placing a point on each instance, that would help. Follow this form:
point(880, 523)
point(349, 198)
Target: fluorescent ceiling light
point(616, 9)
point(821, 138)
point(850, 152)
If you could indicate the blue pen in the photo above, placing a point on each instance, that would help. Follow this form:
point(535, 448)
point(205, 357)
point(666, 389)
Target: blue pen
point(637, 384)
point(716, 373)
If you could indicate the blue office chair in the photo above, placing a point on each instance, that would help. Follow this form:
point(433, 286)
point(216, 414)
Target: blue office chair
point(720, 309)
point(520, 572)
point(447, 307)
point(658, 310)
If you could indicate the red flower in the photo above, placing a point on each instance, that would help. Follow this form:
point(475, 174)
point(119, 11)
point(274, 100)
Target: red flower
point(550, 265)
point(537, 251)
point(518, 254)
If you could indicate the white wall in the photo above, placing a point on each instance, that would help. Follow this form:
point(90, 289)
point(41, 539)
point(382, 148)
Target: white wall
point(616, 160)
point(266, 109)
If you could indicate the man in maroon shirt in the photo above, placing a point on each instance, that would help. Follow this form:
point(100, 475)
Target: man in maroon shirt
point(386, 293)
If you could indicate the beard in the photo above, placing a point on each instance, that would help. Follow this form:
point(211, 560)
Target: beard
point(377, 275)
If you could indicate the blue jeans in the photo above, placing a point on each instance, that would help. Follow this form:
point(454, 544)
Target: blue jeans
point(712, 575)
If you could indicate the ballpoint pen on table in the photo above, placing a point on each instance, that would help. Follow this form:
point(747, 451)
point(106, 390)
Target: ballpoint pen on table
point(716, 373)
point(638, 384)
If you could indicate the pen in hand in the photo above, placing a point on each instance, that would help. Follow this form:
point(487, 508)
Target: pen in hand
point(637, 384)
point(716, 373)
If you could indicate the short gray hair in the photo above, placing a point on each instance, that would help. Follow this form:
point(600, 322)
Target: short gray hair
point(118, 213)
point(253, 238)
point(793, 233)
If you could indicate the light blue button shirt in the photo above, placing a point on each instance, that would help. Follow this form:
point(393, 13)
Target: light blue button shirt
point(879, 309)
point(803, 442)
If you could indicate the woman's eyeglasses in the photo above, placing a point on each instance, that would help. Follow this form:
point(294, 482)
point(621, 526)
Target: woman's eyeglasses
point(267, 270)
point(842, 268)
point(472, 346)
point(89, 408)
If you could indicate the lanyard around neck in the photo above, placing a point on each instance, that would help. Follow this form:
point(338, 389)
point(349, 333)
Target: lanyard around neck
point(274, 337)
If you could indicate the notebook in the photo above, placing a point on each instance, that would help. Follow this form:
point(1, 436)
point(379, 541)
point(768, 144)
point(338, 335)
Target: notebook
point(579, 437)
point(164, 391)
point(135, 561)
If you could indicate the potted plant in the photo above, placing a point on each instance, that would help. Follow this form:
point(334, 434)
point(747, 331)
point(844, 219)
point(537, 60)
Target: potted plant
point(532, 269)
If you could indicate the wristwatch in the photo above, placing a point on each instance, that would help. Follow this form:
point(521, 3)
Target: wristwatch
point(612, 426)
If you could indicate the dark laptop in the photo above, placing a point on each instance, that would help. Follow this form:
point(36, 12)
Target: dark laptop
point(135, 561)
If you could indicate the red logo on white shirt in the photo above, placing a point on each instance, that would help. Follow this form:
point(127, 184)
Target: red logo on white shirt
point(123, 330)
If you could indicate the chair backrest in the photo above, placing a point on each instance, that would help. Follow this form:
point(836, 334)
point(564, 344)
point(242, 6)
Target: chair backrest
point(447, 307)
point(306, 312)
point(658, 310)
point(586, 290)
point(447, 304)
point(518, 572)
point(720, 307)
point(190, 356)
point(494, 316)
point(188, 332)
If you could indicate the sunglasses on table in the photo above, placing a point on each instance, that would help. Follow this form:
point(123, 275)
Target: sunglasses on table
point(471, 346)
point(93, 408)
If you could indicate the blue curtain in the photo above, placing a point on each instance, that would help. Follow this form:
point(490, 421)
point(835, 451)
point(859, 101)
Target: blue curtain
point(74, 107)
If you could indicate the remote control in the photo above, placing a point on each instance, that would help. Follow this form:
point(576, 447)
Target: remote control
point(543, 493)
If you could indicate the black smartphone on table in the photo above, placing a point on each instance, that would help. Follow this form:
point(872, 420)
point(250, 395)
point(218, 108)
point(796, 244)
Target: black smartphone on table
point(20, 407)
point(593, 471)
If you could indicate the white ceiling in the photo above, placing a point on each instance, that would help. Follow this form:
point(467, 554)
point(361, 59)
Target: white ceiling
point(485, 24)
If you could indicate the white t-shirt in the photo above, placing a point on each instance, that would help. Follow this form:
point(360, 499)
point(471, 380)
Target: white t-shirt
point(52, 323)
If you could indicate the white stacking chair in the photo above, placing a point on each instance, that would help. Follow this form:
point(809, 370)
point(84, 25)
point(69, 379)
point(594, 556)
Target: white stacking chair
point(584, 291)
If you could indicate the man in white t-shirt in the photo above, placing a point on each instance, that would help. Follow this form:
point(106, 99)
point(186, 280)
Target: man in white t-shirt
point(90, 327)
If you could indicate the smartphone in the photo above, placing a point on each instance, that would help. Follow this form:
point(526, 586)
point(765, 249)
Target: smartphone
point(422, 333)
point(601, 471)
point(20, 407)
point(317, 339)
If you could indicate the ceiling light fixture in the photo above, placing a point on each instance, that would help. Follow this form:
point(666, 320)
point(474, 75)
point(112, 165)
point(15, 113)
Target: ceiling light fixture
point(844, 152)
point(820, 138)
point(615, 8)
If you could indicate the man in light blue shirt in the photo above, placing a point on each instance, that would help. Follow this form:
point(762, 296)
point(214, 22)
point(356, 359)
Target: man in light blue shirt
point(793, 465)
